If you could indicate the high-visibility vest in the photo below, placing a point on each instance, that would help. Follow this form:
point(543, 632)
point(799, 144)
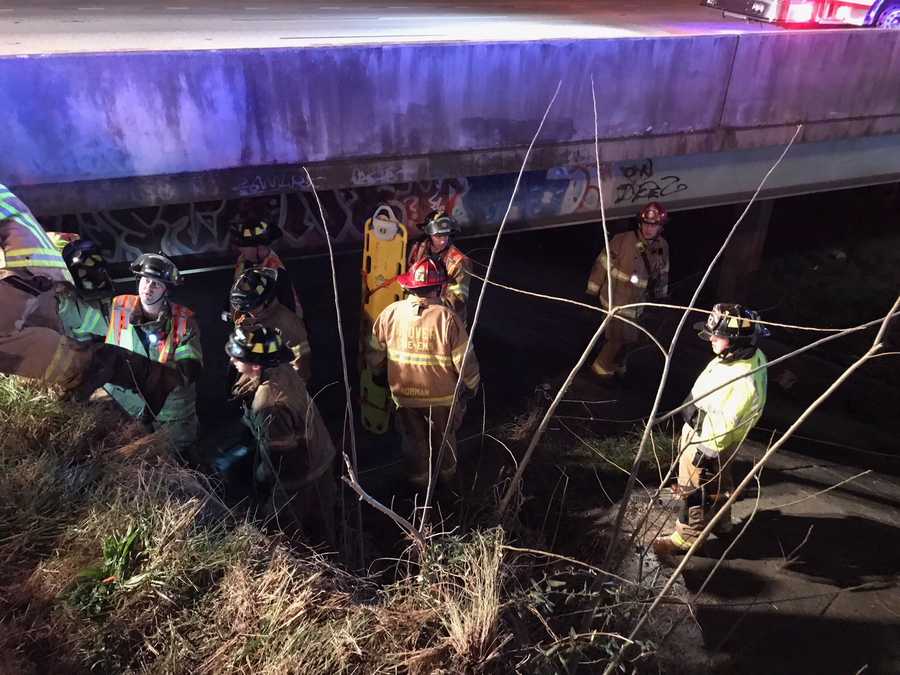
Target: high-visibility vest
point(123, 308)
point(24, 243)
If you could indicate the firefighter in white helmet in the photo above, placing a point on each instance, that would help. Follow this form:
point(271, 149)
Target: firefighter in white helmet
point(716, 424)
point(150, 324)
point(638, 265)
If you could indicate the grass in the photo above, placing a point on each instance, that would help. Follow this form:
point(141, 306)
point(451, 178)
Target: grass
point(118, 560)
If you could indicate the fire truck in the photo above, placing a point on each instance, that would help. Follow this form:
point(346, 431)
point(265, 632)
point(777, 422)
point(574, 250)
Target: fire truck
point(813, 13)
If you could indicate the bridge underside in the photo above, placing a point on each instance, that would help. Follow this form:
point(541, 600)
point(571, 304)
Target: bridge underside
point(98, 139)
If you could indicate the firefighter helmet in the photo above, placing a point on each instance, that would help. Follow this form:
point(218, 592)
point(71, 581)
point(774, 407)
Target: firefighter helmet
point(254, 232)
point(426, 273)
point(259, 345)
point(87, 266)
point(439, 223)
point(654, 214)
point(256, 287)
point(735, 322)
point(156, 266)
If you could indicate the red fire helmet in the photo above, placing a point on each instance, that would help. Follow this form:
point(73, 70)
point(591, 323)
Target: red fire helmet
point(427, 272)
point(654, 214)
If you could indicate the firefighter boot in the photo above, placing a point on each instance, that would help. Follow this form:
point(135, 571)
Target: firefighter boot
point(113, 365)
point(671, 545)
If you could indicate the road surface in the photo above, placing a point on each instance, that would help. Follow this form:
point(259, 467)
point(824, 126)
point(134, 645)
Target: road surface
point(140, 25)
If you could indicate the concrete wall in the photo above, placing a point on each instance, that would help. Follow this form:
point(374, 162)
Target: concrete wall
point(93, 127)
point(198, 232)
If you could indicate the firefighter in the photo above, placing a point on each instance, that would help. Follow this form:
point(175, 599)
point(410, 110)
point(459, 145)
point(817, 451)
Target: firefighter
point(253, 301)
point(84, 307)
point(640, 272)
point(253, 238)
point(32, 341)
point(151, 325)
point(716, 425)
point(293, 451)
point(441, 229)
point(422, 343)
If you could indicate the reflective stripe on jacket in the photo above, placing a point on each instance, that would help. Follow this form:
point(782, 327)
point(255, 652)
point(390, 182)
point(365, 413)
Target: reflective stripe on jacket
point(423, 343)
point(456, 292)
point(81, 319)
point(728, 414)
point(25, 245)
point(631, 276)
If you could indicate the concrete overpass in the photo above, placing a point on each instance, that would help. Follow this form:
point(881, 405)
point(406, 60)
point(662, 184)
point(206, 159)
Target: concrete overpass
point(143, 148)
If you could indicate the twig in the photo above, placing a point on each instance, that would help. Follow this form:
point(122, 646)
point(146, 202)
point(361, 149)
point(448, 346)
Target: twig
point(820, 492)
point(402, 523)
point(487, 274)
point(340, 329)
point(574, 561)
point(876, 345)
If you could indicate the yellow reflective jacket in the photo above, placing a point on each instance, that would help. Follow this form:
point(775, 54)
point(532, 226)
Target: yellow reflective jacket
point(728, 414)
point(24, 245)
point(423, 342)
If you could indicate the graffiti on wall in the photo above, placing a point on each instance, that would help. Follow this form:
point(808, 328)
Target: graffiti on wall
point(640, 182)
point(200, 230)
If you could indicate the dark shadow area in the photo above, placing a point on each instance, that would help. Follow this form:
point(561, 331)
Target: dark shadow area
point(781, 642)
point(841, 550)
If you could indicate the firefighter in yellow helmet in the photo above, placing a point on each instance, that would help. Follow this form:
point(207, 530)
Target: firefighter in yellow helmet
point(32, 341)
point(717, 424)
point(441, 229)
point(293, 472)
point(153, 326)
point(638, 265)
point(254, 301)
point(421, 342)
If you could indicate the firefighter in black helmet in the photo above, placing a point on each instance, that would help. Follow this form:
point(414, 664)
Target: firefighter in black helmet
point(729, 397)
point(254, 300)
point(84, 305)
point(294, 452)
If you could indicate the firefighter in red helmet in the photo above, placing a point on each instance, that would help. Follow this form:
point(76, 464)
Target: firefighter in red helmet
point(637, 264)
point(441, 230)
point(421, 342)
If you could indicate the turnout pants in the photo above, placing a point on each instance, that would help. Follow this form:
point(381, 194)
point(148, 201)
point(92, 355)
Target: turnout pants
point(619, 339)
point(703, 490)
point(421, 431)
point(32, 343)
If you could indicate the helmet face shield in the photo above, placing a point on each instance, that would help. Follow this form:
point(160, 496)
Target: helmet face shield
point(438, 223)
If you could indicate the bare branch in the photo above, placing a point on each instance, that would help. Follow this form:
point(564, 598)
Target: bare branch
point(340, 330)
point(402, 523)
point(440, 456)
